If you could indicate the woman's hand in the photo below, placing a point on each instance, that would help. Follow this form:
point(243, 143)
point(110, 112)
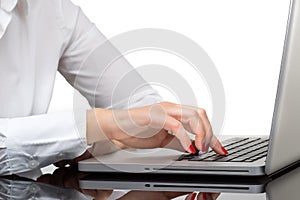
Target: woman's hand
point(149, 127)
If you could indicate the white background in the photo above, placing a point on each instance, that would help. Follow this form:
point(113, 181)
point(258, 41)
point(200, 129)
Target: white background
point(243, 38)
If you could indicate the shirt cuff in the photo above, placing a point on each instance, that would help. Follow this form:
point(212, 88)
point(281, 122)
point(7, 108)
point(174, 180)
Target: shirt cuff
point(37, 141)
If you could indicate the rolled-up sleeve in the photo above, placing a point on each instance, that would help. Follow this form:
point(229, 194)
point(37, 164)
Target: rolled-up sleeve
point(34, 142)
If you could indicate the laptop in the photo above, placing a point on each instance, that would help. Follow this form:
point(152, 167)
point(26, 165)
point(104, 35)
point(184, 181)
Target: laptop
point(248, 156)
point(191, 182)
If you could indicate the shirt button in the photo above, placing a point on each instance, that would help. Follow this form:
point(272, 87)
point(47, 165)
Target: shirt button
point(33, 164)
point(34, 188)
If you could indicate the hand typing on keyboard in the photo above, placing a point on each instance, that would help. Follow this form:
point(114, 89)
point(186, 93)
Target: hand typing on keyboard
point(149, 127)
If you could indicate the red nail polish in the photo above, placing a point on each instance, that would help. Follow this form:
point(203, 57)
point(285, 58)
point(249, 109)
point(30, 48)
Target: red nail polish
point(193, 196)
point(192, 149)
point(224, 151)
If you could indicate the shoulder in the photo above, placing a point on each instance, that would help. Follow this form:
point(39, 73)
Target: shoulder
point(64, 13)
point(62, 8)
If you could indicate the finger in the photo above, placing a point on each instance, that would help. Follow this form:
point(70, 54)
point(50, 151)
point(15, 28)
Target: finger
point(146, 195)
point(191, 196)
point(209, 132)
point(173, 195)
point(145, 143)
point(209, 196)
point(210, 139)
point(171, 124)
point(98, 194)
point(172, 142)
point(194, 120)
point(215, 195)
point(199, 130)
point(203, 127)
point(152, 195)
point(202, 196)
point(217, 146)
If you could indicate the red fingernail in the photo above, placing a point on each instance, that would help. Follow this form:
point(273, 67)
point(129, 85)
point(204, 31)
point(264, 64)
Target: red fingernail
point(204, 195)
point(193, 196)
point(224, 151)
point(192, 149)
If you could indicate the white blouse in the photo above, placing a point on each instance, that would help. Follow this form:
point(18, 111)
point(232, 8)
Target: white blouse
point(37, 39)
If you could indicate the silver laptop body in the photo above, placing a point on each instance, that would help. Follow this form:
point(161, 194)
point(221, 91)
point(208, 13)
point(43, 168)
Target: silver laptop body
point(283, 148)
point(281, 186)
point(178, 183)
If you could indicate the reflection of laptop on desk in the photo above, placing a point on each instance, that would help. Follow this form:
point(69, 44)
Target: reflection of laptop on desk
point(283, 181)
point(247, 156)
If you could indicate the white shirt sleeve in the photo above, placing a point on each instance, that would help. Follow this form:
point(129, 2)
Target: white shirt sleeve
point(30, 143)
point(27, 189)
point(97, 69)
point(93, 66)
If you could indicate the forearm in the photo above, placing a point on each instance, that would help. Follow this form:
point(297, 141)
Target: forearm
point(94, 131)
point(103, 141)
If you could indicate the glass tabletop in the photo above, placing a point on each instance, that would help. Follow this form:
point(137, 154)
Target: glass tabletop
point(68, 183)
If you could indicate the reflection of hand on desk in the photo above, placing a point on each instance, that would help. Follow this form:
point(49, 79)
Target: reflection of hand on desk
point(69, 178)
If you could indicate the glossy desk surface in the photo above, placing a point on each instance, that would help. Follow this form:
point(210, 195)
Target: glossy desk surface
point(64, 184)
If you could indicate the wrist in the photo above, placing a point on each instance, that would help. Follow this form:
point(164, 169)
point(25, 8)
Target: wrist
point(99, 122)
point(105, 122)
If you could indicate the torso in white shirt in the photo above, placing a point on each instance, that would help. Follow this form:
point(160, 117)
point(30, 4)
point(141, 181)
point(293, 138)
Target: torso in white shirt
point(29, 53)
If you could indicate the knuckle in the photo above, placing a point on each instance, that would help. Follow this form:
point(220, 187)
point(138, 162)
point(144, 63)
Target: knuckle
point(167, 104)
point(148, 120)
point(202, 112)
point(200, 129)
point(177, 126)
point(195, 113)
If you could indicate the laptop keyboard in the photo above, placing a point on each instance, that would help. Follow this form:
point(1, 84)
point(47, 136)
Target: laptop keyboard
point(239, 150)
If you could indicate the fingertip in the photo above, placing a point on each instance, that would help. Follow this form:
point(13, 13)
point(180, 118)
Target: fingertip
point(192, 149)
point(200, 143)
point(188, 146)
point(224, 150)
point(185, 140)
point(191, 196)
point(219, 149)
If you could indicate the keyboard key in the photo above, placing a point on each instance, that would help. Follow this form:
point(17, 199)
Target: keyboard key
point(233, 141)
point(185, 157)
point(230, 142)
point(239, 159)
point(250, 155)
point(248, 147)
point(201, 157)
point(213, 158)
point(243, 144)
point(240, 150)
point(242, 153)
point(255, 158)
point(225, 159)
